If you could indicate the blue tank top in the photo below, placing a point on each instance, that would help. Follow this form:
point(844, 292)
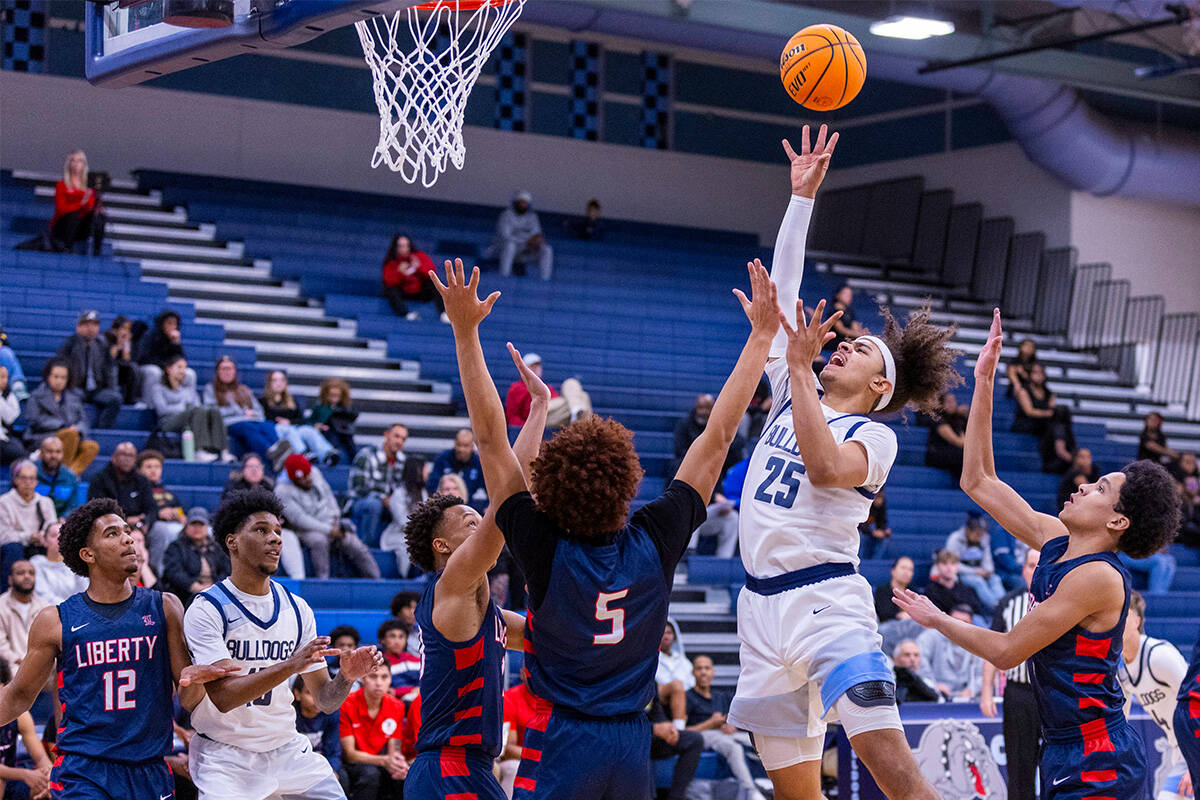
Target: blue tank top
point(115, 681)
point(1189, 690)
point(593, 645)
point(1075, 677)
point(462, 689)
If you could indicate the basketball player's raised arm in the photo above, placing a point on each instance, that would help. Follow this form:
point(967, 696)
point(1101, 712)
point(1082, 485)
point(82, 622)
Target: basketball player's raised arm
point(704, 459)
point(808, 168)
point(515, 626)
point(45, 644)
point(979, 479)
point(1085, 591)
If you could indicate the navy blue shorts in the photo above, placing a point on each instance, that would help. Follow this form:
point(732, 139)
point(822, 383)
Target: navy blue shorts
point(77, 777)
point(452, 772)
point(1108, 766)
point(572, 758)
point(1187, 732)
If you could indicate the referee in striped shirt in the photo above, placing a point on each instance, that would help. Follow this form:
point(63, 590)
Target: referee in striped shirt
point(1022, 724)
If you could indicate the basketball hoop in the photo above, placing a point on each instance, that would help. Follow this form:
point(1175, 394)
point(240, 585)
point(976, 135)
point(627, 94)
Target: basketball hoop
point(422, 94)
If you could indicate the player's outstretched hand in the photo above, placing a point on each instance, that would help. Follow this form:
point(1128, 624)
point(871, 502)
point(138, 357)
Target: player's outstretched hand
point(806, 339)
point(762, 307)
point(537, 388)
point(312, 653)
point(463, 306)
point(357, 663)
point(917, 606)
point(203, 673)
point(1185, 785)
point(811, 163)
point(989, 354)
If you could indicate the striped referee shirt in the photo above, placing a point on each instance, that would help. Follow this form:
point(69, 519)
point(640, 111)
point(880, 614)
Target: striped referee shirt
point(1009, 611)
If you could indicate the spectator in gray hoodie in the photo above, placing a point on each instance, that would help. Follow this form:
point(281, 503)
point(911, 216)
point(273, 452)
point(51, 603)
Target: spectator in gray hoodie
point(312, 512)
point(178, 407)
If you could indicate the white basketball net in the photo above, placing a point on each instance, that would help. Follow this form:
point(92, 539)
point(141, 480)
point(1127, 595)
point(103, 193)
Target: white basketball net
point(422, 95)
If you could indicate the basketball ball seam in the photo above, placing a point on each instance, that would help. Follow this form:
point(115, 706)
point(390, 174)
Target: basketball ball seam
point(808, 53)
point(797, 62)
point(845, 67)
point(817, 82)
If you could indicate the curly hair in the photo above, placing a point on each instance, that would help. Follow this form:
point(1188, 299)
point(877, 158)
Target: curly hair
point(1151, 502)
point(422, 526)
point(389, 625)
point(74, 533)
point(401, 600)
point(925, 366)
point(586, 476)
point(238, 507)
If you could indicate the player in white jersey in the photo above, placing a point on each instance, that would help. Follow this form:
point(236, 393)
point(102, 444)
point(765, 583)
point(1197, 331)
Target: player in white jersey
point(1151, 671)
point(810, 649)
point(247, 745)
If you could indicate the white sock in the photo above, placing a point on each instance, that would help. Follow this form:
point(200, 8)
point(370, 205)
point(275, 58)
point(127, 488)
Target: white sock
point(681, 724)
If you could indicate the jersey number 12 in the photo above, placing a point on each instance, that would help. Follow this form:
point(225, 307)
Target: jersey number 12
point(614, 616)
point(116, 694)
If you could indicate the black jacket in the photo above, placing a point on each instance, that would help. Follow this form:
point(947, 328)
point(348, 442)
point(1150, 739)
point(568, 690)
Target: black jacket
point(87, 354)
point(156, 347)
point(181, 565)
point(911, 688)
point(133, 492)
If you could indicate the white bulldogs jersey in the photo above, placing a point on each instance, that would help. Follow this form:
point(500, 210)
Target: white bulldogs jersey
point(788, 524)
point(1153, 680)
point(256, 632)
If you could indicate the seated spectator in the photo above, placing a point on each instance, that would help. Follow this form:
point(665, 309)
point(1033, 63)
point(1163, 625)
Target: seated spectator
point(706, 710)
point(194, 561)
point(333, 417)
point(973, 547)
point(121, 481)
point(78, 215)
point(11, 448)
point(453, 485)
point(374, 478)
point(404, 608)
point(1008, 554)
point(12, 366)
point(402, 500)
point(874, 535)
point(520, 708)
point(405, 667)
point(957, 674)
point(902, 575)
point(55, 580)
point(945, 590)
point(279, 405)
point(37, 779)
point(169, 517)
point(1082, 471)
point(406, 273)
point(344, 638)
point(248, 429)
point(1019, 370)
point(321, 729)
point(18, 606)
point(24, 514)
point(1187, 479)
point(462, 460)
point(1038, 413)
point(91, 369)
point(1158, 569)
point(688, 429)
point(519, 238)
point(846, 327)
point(910, 685)
point(157, 349)
point(55, 409)
point(668, 738)
point(589, 228)
point(570, 406)
point(1152, 443)
point(179, 409)
point(722, 524)
point(944, 447)
point(118, 340)
point(146, 576)
point(371, 725)
point(674, 674)
point(314, 515)
point(55, 479)
point(895, 631)
point(252, 475)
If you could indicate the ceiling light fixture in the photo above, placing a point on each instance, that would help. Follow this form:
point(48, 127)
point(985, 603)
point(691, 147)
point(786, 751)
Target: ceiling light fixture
point(916, 28)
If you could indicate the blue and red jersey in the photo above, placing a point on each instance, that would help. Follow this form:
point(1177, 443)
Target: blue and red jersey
point(1187, 714)
point(114, 678)
point(462, 691)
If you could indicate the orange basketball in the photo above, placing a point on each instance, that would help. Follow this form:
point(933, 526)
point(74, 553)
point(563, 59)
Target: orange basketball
point(823, 67)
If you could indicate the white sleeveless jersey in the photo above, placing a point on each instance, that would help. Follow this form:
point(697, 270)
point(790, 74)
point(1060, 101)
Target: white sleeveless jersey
point(255, 632)
point(785, 522)
point(1153, 679)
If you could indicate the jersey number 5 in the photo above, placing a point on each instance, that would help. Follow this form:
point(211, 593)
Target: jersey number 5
point(785, 472)
point(615, 616)
point(116, 697)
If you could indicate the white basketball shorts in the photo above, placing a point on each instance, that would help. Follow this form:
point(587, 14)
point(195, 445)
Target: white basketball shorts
point(221, 771)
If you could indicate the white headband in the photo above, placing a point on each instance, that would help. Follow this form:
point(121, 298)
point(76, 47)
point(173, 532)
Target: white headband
point(889, 368)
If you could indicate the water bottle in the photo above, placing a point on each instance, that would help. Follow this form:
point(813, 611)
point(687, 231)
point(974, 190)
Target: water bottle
point(189, 445)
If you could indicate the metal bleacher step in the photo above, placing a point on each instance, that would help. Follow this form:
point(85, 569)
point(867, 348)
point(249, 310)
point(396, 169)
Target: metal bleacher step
point(117, 199)
point(198, 271)
point(215, 307)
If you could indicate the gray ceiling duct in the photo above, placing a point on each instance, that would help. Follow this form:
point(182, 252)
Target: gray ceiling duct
point(1054, 126)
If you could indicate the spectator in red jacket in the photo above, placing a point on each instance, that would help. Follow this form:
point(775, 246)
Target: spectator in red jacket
point(406, 277)
point(77, 212)
point(371, 727)
point(574, 403)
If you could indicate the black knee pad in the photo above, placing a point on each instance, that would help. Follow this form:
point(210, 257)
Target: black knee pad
point(872, 693)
